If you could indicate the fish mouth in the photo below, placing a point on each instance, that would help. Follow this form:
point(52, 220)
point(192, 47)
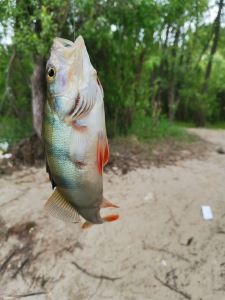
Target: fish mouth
point(75, 105)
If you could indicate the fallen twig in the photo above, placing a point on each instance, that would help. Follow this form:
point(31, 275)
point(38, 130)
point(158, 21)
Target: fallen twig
point(173, 218)
point(20, 267)
point(7, 260)
point(166, 251)
point(101, 277)
point(172, 288)
point(27, 295)
point(96, 290)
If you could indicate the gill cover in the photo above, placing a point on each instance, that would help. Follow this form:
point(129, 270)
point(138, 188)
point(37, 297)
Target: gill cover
point(71, 79)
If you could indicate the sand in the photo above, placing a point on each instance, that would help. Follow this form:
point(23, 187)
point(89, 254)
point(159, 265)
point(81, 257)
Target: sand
point(160, 248)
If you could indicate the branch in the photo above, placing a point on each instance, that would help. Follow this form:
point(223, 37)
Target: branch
point(20, 268)
point(28, 295)
point(177, 255)
point(101, 277)
point(172, 288)
point(8, 89)
point(7, 260)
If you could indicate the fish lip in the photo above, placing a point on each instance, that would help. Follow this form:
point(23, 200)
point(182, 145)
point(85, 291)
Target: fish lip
point(75, 105)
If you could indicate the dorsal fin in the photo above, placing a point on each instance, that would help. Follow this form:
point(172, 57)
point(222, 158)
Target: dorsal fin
point(60, 208)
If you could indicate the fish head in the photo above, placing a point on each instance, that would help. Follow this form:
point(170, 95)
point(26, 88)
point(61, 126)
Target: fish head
point(68, 73)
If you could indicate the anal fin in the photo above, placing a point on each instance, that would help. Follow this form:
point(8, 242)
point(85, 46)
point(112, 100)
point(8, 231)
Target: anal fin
point(60, 208)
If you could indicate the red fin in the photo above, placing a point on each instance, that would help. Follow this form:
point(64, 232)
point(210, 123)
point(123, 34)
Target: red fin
point(99, 158)
point(102, 151)
point(106, 203)
point(110, 218)
point(106, 153)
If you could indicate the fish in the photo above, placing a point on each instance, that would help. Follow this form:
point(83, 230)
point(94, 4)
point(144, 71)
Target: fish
point(74, 134)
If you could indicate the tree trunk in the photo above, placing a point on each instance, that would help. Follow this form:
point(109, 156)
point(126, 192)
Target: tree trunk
point(38, 94)
point(172, 83)
point(216, 26)
point(162, 67)
point(200, 114)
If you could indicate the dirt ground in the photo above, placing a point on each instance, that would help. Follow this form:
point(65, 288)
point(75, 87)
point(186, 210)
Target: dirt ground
point(160, 248)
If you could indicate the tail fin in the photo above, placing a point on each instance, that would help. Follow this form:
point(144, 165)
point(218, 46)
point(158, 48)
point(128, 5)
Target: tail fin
point(110, 218)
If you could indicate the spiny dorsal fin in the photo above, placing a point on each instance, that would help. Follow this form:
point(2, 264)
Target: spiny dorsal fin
point(60, 208)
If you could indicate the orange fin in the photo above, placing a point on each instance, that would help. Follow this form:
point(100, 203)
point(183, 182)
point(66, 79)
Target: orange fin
point(110, 218)
point(99, 158)
point(107, 203)
point(102, 151)
point(106, 153)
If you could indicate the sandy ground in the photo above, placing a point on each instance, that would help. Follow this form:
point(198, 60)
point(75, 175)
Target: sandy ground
point(160, 248)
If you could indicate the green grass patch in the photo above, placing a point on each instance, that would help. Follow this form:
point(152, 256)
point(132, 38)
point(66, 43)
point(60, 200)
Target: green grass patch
point(13, 129)
point(219, 125)
point(148, 130)
point(185, 124)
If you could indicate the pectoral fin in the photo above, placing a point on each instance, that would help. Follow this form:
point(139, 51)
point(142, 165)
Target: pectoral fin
point(60, 208)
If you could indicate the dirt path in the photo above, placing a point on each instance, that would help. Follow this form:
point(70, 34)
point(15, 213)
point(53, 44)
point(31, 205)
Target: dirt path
point(160, 248)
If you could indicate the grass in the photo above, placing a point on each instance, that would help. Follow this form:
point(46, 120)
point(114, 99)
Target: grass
point(13, 129)
point(218, 125)
point(148, 131)
point(185, 124)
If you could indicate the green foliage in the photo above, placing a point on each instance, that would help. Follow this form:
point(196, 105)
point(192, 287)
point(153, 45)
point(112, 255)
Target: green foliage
point(148, 130)
point(13, 129)
point(151, 57)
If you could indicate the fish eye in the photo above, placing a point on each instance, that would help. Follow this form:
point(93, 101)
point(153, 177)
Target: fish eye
point(51, 73)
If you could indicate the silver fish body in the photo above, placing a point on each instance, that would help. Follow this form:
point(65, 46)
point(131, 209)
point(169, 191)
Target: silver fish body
point(74, 132)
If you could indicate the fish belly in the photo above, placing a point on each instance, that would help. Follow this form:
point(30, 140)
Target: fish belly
point(81, 187)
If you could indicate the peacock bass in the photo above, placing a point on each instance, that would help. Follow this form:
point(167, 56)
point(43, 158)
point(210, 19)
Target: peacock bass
point(74, 134)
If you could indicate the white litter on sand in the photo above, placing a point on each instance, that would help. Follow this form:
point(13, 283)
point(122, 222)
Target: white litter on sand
point(207, 212)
